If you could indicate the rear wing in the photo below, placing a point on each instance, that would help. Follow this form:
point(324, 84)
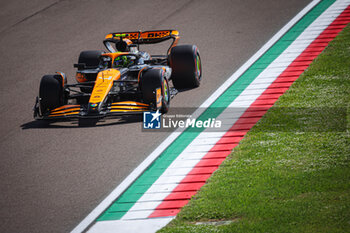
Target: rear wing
point(147, 37)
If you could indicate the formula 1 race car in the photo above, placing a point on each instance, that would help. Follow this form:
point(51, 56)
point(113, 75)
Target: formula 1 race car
point(121, 81)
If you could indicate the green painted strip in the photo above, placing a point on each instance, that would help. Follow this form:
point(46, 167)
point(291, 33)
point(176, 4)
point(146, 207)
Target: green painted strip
point(119, 208)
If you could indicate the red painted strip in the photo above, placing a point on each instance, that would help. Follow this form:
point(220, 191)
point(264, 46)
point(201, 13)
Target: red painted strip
point(299, 67)
point(251, 116)
point(267, 102)
point(236, 133)
point(224, 147)
point(242, 126)
point(247, 121)
point(320, 44)
point(172, 204)
point(216, 154)
point(258, 108)
point(203, 170)
point(213, 162)
point(258, 113)
point(195, 178)
point(288, 74)
point(300, 63)
point(336, 26)
point(184, 187)
point(272, 96)
point(231, 139)
point(181, 195)
point(164, 213)
point(279, 90)
point(304, 58)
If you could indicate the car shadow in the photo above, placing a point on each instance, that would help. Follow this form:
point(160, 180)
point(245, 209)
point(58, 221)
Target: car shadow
point(81, 123)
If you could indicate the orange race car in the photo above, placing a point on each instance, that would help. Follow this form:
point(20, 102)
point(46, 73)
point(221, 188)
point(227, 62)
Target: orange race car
point(121, 81)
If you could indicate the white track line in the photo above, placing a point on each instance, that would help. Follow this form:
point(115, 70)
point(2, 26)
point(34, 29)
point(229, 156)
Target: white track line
point(144, 226)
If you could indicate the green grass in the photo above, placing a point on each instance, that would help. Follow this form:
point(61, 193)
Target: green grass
point(291, 173)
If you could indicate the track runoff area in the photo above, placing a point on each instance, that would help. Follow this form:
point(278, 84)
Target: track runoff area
point(153, 194)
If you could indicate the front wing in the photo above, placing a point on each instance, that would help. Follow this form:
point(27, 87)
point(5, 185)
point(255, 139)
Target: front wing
point(80, 111)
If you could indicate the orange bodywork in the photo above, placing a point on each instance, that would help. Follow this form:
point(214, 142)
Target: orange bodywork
point(65, 110)
point(103, 85)
point(80, 77)
point(130, 106)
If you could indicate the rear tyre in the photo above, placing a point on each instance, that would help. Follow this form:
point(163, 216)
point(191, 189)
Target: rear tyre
point(151, 80)
point(51, 93)
point(91, 58)
point(186, 66)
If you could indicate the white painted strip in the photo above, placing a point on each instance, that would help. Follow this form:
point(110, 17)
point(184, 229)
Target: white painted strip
point(189, 163)
point(177, 171)
point(148, 205)
point(170, 179)
point(138, 215)
point(336, 11)
point(287, 57)
point(276, 70)
point(227, 116)
point(305, 41)
point(144, 225)
point(200, 148)
point(87, 221)
point(248, 93)
point(159, 188)
point(208, 141)
point(315, 28)
point(282, 64)
point(191, 155)
point(255, 96)
point(154, 196)
point(216, 134)
point(265, 81)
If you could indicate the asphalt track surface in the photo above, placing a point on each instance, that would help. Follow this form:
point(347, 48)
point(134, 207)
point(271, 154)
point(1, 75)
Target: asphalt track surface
point(53, 175)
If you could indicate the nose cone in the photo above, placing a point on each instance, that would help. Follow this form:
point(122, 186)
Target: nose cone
point(103, 85)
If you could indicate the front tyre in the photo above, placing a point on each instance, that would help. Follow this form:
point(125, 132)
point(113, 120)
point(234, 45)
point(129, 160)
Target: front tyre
point(152, 80)
point(186, 66)
point(51, 94)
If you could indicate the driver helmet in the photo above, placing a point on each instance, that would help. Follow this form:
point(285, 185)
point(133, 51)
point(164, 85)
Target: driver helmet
point(122, 61)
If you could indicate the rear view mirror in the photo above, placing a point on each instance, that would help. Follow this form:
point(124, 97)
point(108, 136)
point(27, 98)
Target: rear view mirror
point(80, 66)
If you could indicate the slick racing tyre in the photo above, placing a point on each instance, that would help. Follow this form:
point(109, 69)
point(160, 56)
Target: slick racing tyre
point(151, 80)
point(51, 93)
point(186, 66)
point(90, 58)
